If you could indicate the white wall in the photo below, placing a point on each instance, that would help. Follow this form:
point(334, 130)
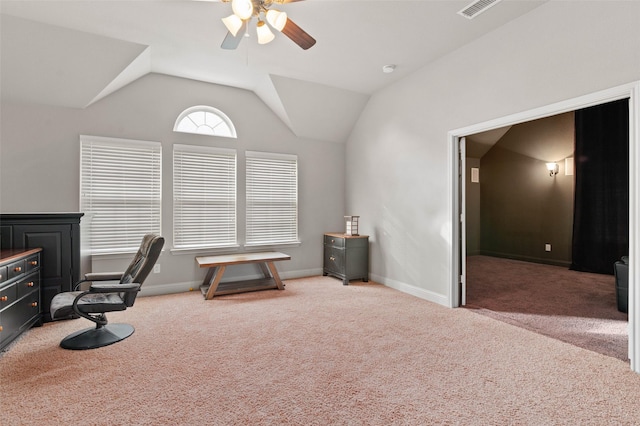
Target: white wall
point(398, 178)
point(40, 164)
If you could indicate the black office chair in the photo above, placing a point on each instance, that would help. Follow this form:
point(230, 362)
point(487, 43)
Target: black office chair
point(100, 298)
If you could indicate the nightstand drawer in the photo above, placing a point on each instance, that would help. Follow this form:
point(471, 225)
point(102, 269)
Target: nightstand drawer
point(333, 241)
point(334, 259)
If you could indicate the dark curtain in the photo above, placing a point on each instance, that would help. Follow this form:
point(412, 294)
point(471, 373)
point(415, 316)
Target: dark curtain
point(601, 208)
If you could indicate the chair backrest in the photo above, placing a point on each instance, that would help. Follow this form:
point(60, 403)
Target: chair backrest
point(145, 258)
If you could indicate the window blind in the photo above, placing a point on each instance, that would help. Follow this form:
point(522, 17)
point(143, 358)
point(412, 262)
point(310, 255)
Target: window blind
point(204, 197)
point(272, 198)
point(120, 191)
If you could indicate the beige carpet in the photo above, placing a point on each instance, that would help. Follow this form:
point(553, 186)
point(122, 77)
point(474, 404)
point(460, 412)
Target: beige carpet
point(317, 353)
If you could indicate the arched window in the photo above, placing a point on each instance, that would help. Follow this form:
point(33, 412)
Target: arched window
point(205, 120)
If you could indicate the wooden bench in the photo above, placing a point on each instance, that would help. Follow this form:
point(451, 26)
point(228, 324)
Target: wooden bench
point(217, 265)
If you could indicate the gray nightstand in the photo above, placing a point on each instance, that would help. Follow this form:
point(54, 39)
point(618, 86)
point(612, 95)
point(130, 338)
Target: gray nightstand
point(346, 257)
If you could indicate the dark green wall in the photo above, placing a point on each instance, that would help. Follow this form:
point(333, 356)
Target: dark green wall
point(522, 208)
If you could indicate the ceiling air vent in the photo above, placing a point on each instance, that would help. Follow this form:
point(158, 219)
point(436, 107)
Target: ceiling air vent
point(476, 8)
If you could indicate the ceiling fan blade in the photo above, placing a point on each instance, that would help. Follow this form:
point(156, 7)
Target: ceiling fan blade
point(230, 41)
point(298, 35)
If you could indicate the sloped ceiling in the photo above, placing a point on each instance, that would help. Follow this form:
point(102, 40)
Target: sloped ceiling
point(74, 52)
point(52, 65)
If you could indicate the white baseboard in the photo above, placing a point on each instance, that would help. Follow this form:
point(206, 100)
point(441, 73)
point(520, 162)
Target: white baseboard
point(411, 289)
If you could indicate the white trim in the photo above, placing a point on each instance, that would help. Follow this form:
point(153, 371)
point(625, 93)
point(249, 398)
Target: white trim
point(418, 292)
point(631, 91)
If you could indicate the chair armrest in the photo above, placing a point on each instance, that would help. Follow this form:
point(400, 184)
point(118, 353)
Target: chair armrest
point(103, 276)
point(114, 288)
point(98, 276)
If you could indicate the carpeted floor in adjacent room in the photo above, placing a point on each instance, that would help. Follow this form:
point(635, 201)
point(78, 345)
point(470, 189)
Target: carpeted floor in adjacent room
point(575, 307)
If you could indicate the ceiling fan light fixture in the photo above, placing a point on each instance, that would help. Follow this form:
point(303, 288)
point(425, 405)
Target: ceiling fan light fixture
point(233, 24)
point(243, 9)
point(276, 19)
point(264, 33)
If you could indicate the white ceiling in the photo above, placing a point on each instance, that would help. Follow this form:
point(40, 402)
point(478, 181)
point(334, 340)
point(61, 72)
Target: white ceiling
point(73, 52)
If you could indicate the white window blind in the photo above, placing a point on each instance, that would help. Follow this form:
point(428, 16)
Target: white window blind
point(204, 197)
point(272, 198)
point(120, 191)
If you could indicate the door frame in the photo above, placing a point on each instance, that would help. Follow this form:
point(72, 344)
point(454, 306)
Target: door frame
point(457, 199)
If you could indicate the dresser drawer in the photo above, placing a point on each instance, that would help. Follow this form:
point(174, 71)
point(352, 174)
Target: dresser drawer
point(15, 269)
point(28, 284)
point(333, 241)
point(17, 317)
point(8, 295)
point(32, 263)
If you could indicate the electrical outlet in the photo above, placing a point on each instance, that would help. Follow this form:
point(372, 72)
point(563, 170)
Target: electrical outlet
point(547, 247)
point(156, 268)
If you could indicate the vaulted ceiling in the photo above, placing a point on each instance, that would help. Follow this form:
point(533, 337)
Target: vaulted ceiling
point(72, 53)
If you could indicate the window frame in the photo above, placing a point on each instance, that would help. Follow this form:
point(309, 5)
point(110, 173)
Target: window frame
point(189, 114)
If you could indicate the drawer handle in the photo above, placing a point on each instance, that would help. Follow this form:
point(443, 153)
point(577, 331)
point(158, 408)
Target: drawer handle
point(30, 284)
point(18, 268)
point(34, 263)
point(34, 304)
point(332, 258)
point(0, 328)
point(333, 241)
point(4, 298)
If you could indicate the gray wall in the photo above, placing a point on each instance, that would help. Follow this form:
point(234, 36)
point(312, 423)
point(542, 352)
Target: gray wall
point(40, 165)
point(400, 177)
point(522, 208)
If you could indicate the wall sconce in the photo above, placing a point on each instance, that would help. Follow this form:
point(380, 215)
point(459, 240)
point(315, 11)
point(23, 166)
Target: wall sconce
point(552, 168)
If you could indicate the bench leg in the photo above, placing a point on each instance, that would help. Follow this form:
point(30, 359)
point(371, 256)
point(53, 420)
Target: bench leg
point(276, 276)
point(217, 276)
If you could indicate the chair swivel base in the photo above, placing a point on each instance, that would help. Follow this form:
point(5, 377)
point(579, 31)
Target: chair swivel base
point(92, 337)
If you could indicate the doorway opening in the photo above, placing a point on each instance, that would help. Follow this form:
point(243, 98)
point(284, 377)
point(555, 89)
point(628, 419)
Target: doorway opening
point(632, 92)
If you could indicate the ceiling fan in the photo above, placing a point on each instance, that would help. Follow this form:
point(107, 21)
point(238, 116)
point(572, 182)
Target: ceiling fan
point(245, 10)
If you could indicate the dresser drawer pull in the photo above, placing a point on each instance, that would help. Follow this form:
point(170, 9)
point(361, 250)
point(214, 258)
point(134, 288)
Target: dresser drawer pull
point(0, 328)
point(333, 241)
point(18, 269)
point(332, 258)
point(30, 284)
point(34, 263)
point(34, 304)
point(4, 298)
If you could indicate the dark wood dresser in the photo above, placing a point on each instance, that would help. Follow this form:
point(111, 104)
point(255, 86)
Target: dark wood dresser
point(346, 257)
point(58, 234)
point(19, 292)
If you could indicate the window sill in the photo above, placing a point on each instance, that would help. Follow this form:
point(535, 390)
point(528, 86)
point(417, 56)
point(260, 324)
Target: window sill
point(273, 245)
point(203, 250)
